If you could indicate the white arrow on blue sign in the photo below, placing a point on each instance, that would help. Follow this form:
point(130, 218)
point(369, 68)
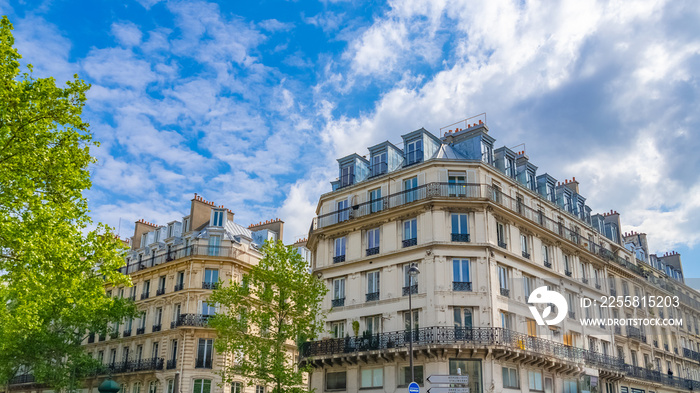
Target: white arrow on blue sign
point(448, 390)
point(413, 388)
point(450, 379)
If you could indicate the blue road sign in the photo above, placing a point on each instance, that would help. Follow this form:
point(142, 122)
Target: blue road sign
point(413, 388)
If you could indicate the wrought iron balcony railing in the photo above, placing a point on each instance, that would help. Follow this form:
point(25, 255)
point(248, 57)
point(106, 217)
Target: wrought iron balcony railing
point(413, 289)
point(203, 363)
point(489, 337)
point(374, 296)
point(126, 333)
point(572, 314)
point(636, 334)
point(172, 363)
point(339, 258)
point(410, 242)
point(505, 292)
point(156, 328)
point(179, 253)
point(584, 280)
point(462, 286)
point(160, 291)
point(548, 264)
point(372, 251)
point(377, 169)
point(144, 296)
point(460, 237)
point(338, 302)
point(140, 330)
point(209, 285)
point(502, 244)
point(526, 255)
point(568, 273)
point(200, 320)
point(178, 287)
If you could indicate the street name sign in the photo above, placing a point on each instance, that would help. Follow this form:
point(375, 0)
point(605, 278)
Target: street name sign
point(448, 390)
point(449, 379)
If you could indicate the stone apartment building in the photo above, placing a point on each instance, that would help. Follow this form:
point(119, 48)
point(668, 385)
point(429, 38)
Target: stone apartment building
point(485, 230)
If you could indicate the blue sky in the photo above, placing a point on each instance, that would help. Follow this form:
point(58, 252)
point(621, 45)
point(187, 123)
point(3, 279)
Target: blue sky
point(249, 104)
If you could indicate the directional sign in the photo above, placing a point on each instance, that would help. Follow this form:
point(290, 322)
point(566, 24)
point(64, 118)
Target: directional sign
point(413, 388)
point(448, 390)
point(451, 379)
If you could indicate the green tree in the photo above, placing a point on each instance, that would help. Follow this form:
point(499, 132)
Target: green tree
point(52, 268)
point(264, 317)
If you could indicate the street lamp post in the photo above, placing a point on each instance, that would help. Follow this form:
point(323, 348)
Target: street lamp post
point(412, 272)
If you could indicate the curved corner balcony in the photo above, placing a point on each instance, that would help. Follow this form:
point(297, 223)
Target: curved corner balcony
point(502, 343)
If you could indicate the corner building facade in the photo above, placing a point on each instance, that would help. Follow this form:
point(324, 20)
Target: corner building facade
point(485, 230)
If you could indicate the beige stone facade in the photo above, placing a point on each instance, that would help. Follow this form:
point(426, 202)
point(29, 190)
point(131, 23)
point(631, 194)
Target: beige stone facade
point(484, 237)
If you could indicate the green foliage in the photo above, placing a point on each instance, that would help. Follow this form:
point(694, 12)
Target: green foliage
point(52, 269)
point(262, 320)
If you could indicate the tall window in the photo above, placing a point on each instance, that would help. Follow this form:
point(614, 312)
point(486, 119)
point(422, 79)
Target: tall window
point(531, 327)
point(504, 280)
point(524, 246)
point(339, 251)
point(571, 304)
point(372, 377)
point(545, 256)
point(176, 312)
point(460, 228)
point(410, 188)
point(142, 321)
point(207, 308)
point(137, 387)
point(347, 175)
point(158, 318)
point(218, 218)
point(405, 375)
point(410, 229)
point(173, 350)
point(338, 292)
point(373, 285)
point(211, 277)
point(373, 324)
point(180, 281)
point(338, 329)
point(501, 235)
point(414, 152)
point(510, 167)
point(259, 389)
point(461, 275)
point(506, 320)
point(570, 386)
point(379, 164)
point(373, 241)
point(528, 284)
point(214, 245)
point(457, 185)
point(567, 265)
point(153, 387)
point(407, 320)
point(486, 152)
point(463, 317)
point(375, 198)
point(161, 285)
point(236, 387)
point(146, 289)
point(204, 353)
point(202, 386)
point(171, 386)
point(409, 283)
point(343, 212)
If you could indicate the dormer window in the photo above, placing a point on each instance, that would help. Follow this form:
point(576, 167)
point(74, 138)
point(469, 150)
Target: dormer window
point(510, 167)
point(550, 193)
point(144, 239)
point(530, 178)
point(347, 175)
point(217, 218)
point(170, 230)
point(185, 224)
point(379, 164)
point(414, 152)
point(486, 152)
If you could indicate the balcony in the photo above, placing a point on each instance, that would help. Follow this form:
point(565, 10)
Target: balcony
point(409, 242)
point(572, 314)
point(130, 366)
point(505, 292)
point(665, 347)
point(377, 169)
point(462, 286)
point(199, 320)
point(548, 264)
point(568, 273)
point(126, 333)
point(636, 334)
point(144, 296)
point(502, 244)
point(460, 237)
point(526, 255)
point(140, 330)
point(340, 302)
point(103, 337)
point(160, 291)
point(690, 354)
point(114, 335)
point(413, 289)
point(178, 287)
point(156, 328)
point(183, 252)
point(584, 280)
point(172, 364)
point(209, 285)
point(597, 286)
point(203, 363)
point(339, 258)
point(372, 251)
point(372, 297)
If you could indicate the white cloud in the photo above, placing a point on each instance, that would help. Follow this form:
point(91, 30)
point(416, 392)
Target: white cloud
point(127, 33)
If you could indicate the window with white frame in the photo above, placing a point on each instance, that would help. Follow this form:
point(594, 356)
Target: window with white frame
point(338, 329)
point(504, 280)
point(528, 285)
point(202, 386)
point(373, 324)
point(524, 245)
point(410, 189)
point(501, 235)
point(463, 317)
point(217, 218)
point(414, 152)
point(372, 377)
point(373, 283)
point(545, 256)
point(510, 378)
point(375, 199)
point(259, 389)
point(460, 227)
point(506, 320)
point(137, 388)
point(153, 387)
point(207, 308)
point(339, 250)
point(373, 241)
point(205, 353)
point(339, 288)
point(236, 387)
point(535, 380)
point(410, 235)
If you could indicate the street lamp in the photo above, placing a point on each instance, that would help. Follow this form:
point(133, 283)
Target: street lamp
point(412, 272)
